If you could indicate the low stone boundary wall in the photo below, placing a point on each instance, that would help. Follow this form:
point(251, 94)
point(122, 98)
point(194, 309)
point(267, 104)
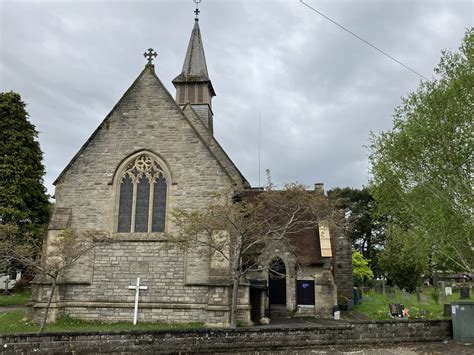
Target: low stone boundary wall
point(237, 340)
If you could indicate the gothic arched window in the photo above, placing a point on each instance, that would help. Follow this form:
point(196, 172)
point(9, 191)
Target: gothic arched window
point(142, 197)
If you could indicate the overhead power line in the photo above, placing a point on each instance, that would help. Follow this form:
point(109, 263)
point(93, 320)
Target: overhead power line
point(363, 40)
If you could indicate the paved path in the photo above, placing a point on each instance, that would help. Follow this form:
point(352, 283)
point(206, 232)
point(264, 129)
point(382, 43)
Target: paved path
point(302, 322)
point(421, 348)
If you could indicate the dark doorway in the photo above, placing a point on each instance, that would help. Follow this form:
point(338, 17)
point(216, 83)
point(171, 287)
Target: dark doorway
point(277, 282)
point(255, 297)
point(305, 292)
point(258, 291)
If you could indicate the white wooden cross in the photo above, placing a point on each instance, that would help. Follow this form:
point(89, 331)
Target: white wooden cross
point(137, 289)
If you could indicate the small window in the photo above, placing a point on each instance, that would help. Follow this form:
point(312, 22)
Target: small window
point(200, 93)
point(305, 292)
point(142, 200)
point(181, 90)
point(192, 93)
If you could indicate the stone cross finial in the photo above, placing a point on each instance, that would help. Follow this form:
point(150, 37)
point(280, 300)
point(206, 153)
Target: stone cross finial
point(150, 55)
point(196, 12)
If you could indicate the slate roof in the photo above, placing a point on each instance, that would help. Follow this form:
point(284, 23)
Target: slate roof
point(215, 149)
point(194, 66)
point(306, 243)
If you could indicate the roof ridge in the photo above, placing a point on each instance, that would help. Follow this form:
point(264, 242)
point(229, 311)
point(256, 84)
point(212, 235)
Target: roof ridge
point(212, 140)
point(74, 158)
point(150, 67)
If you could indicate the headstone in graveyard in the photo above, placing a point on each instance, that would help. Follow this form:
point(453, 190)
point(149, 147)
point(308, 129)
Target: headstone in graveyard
point(390, 292)
point(447, 310)
point(423, 298)
point(406, 296)
point(441, 297)
point(397, 309)
point(418, 291)
point(448, 291)
point(379, 288)
point(464, 293)
point(420, 295)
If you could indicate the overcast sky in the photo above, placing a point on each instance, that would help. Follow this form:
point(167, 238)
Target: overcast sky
point(318, 90)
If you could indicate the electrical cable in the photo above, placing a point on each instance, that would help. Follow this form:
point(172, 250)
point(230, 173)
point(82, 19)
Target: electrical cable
point(363, 40)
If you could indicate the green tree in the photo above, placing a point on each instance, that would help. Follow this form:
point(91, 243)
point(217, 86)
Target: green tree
point(23, 199)
point(360, 268)
point(422, 172)
point(235, 231)
point(404, 258)
point(365, 231)
point(60, 254)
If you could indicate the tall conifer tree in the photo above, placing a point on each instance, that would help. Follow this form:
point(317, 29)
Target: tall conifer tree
point(23, 199)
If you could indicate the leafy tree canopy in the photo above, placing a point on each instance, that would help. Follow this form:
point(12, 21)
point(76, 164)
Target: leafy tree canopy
point(360, 268)
point(240, 233)
point(23, 198)
point(422, 171)
point(364, 230)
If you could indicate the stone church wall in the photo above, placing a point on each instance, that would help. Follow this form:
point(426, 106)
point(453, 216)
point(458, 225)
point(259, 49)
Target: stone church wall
point(343, 267)
point(146, 119)
point(160, 268)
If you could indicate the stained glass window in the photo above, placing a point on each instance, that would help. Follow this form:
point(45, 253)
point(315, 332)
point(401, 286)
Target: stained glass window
point(159, 205)
point(143, 181)
point(142, 204)
point(125, 205)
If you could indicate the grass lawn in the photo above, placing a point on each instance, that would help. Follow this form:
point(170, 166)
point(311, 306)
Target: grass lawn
point(375, 306)
point(14, 299)
point(15, 322)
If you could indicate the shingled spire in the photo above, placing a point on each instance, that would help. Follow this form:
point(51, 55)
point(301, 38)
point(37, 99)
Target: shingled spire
point(193, 84)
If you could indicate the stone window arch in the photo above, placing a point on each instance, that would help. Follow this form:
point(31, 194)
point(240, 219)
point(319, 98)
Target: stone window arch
point(142, 196)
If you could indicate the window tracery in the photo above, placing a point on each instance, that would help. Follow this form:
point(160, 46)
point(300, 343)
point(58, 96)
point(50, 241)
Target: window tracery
point(142, 196)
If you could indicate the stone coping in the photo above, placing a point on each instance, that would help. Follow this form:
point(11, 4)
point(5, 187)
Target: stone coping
point(223, 331)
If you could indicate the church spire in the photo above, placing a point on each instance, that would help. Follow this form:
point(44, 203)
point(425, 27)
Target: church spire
point(195, 61)
point(193, 84)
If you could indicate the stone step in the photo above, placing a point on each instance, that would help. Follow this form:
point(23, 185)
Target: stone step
point(278, 311)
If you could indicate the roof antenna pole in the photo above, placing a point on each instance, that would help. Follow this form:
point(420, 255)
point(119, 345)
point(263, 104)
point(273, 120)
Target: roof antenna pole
point(259, 117)
point(196, 12)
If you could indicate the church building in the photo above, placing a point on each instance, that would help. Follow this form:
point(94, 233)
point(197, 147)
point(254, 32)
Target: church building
point(153, 154)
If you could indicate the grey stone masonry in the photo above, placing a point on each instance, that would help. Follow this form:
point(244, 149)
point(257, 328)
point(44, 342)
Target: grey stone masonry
point(145, 120)
point(343, 266)
point(238, 341)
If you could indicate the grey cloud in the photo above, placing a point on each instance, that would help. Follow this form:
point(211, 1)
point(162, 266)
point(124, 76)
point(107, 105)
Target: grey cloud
point(318, 90)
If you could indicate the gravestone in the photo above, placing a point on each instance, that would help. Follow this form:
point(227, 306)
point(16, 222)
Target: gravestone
point(464, 293)
point(419, 292)
point(447, 310)
point(448, 291)
point(441, 298)
point(406, 296)
point(390, 292)
point(378, 289)
point(442, 295)
point(421, 296)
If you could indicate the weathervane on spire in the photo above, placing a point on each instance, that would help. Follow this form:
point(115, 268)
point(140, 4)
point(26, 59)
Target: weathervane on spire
point(150, 54)
point(196, 12)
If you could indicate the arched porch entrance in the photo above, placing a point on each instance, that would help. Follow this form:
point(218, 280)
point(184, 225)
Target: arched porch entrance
point(277, 283)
